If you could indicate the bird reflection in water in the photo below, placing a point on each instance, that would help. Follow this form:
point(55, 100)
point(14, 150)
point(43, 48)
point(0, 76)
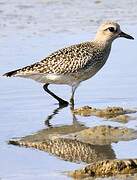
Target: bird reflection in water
point(56, 141)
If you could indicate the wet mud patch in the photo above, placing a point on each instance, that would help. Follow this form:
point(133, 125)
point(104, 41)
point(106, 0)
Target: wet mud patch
point(111, 113)
point(106, 168)
point(104, 134)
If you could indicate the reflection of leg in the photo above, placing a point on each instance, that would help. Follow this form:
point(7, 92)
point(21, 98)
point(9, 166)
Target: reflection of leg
point(56, 111)
point(77, 123)
point(61, 101)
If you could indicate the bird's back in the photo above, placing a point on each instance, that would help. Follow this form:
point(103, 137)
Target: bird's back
point(65, 61)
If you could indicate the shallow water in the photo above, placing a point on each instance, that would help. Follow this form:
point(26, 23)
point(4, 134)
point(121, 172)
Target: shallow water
point(30, 31)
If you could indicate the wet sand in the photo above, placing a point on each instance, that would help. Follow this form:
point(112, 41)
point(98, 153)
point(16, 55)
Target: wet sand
point(30, 30)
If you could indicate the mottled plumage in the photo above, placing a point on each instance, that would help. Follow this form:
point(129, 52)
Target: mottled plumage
point(67, 61)
point(69, 149)
point(74, 64)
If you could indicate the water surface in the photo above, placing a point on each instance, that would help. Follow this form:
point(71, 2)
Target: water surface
point(32, 30)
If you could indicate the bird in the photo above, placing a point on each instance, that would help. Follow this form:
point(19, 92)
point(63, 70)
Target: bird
point(74, 64)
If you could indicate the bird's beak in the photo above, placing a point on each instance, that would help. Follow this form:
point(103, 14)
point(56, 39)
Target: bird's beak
point(122, 34)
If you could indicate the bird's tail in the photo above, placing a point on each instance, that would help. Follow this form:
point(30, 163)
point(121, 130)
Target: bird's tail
point(11, 73)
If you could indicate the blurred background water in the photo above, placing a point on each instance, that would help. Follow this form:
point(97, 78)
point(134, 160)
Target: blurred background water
point(29, 31)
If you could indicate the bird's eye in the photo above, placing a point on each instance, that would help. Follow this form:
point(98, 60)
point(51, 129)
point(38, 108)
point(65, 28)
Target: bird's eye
point(111, 29)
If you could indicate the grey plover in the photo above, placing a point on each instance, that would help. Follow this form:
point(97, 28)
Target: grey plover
point(74, 64)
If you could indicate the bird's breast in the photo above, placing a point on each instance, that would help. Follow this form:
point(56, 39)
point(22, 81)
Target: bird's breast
point(94, 65)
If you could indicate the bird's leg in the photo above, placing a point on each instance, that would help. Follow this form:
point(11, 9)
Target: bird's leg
point(72, 96)
point(72, 100)
point(61, 101)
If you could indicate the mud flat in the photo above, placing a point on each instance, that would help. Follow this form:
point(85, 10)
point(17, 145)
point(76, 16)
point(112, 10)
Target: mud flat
point(114, 113)
point(104, 134)
point(96, 135)
point(106, 168)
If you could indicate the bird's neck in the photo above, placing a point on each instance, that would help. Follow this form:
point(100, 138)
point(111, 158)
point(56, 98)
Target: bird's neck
point(103, 43)
point(104, 46)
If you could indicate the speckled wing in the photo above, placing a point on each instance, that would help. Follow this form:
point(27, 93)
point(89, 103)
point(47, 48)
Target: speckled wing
point(65, 61)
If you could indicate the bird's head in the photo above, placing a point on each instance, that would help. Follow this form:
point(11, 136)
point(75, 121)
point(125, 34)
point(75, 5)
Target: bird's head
point(110, 30)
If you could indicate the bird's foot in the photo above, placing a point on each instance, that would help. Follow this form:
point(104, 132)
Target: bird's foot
point(63, 103)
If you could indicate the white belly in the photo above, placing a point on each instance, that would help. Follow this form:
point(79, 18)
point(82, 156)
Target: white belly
point(51, 78)
point(70, 79)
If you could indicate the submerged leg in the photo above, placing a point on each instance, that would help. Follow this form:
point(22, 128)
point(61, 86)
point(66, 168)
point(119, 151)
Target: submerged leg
point(61, 101)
